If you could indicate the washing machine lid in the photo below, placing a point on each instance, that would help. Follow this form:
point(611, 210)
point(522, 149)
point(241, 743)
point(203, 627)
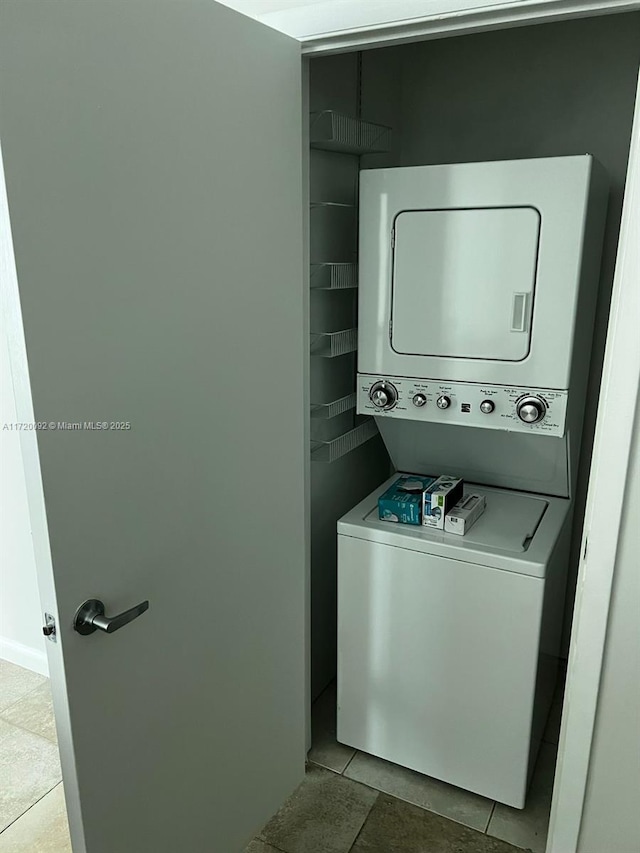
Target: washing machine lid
point(463, 282)
point(517, 531)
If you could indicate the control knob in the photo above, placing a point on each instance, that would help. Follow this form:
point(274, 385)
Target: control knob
point(419, 400)
point(443, 402)
point(531, 409)
point(383, 395)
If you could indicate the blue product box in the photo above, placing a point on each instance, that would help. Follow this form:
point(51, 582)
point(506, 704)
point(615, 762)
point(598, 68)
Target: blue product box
point(402, 502)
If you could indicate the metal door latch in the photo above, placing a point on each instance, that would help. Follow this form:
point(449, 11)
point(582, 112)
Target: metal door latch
point(49, 627)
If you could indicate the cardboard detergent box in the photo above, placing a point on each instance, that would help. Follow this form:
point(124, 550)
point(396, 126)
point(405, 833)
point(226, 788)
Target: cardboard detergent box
point(465, 514)
point(402, 502)
point(438, 499)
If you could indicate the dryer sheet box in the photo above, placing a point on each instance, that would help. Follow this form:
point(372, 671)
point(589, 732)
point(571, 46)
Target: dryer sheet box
point(402, 502)
point(438, 499)
point(465, 514)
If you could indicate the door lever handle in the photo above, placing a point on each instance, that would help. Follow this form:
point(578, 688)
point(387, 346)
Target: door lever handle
point(90, 616)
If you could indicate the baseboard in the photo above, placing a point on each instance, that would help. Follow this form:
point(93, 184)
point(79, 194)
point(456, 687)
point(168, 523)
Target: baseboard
point(24, 656)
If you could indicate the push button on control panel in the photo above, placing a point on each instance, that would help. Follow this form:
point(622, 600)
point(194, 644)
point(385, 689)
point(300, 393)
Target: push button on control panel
point(487, 406)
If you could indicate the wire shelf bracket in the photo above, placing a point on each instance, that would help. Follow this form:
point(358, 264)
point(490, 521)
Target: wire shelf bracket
point(334, 276)
point(333, 131)
point(335, 407)
point(332, 344)
point(330, 451)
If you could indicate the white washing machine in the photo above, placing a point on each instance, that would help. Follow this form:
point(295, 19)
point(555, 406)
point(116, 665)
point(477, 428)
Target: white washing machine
point(447, 645)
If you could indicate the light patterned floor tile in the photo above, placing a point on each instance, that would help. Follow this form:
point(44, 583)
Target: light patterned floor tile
point(16, 682)
point(42, 829)
point(34, 712)
point(29, 769)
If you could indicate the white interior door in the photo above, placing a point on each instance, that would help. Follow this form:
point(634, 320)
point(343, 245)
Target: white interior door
point(152, 153)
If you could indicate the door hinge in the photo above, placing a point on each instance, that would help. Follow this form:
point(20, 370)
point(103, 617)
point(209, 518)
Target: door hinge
point(586, 543)
point(393, 238)
point(390, 329)
point(49, 627)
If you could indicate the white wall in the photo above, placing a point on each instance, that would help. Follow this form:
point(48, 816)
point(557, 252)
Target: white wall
point(21, 639)
point(611, 818)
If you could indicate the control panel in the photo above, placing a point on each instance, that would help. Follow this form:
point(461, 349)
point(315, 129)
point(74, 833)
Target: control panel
point(464, 404)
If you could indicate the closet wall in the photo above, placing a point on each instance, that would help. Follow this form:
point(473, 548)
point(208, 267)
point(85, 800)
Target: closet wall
point(539, 91)
point(335, 486)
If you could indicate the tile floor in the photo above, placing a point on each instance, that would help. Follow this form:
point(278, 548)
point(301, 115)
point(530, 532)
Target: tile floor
point(349, 802)
point(33, 817)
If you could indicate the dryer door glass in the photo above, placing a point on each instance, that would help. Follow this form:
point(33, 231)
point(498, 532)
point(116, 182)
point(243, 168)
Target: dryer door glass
point(464, 281)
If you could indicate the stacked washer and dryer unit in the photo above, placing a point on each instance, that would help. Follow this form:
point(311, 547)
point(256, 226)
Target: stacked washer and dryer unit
point(478, 284)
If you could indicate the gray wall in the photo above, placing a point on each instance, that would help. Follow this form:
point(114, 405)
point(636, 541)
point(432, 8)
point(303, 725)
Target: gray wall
point(546, 90)
point(611, 818)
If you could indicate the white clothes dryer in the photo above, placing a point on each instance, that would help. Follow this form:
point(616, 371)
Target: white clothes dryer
point(477, 290)
point(447, 645)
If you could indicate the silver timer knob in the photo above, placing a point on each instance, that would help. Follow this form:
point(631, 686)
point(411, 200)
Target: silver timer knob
point(531, 409)
point(419, 400)
point(383, 395)
point(487, 406)
point(443, 402)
